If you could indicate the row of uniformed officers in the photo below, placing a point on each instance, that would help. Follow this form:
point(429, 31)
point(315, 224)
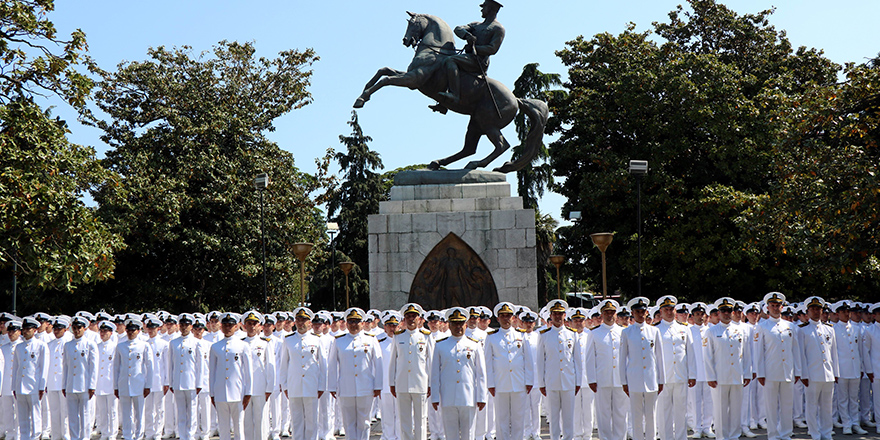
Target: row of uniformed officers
point(192, 376)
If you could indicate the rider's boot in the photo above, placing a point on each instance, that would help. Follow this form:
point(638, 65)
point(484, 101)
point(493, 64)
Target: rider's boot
point(439, 108)
point(454, 85)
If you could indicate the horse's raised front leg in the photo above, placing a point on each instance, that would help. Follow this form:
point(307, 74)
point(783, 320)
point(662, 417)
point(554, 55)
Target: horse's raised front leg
point(471, 138)
point(501, 145)
point(383, 72)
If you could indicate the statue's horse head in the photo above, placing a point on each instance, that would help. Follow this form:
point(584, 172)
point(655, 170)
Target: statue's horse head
point(430, 32)
point(415, 29)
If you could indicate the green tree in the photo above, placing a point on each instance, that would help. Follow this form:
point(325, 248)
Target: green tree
point(355, 199)
point(691, 100)
point(53, 239)
point(187, 132)
point(824, 210)
point(531, 181)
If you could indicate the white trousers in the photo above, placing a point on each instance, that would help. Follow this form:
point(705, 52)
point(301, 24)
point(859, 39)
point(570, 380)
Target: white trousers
point(560, 414)
point(30, 422)
point(325, 416)
point(170, 421)
point(727, 400)
point(848, 401)
point(818, 409)
point(256, 419)
point(356, 416)
point(459, 422)
point(58, 427)
point(286, 423)
point(46, 416)
point(274, 409)
point(643, 406)
point(78, 416)
point(509, 415)
point(304, 417)
point(435, 422)
point(205, 414)
point(187, 407)
point(230, 415)
point(532, 417)
point(866, 404)
point(106, 415)
point(778, 396)
point(390, 417)
point(132, 416)
point(671, 419)
point(876, 393)
point(412, 412)
point(9, 417)
point(154, 415)
point(798, 402)
point(611, 407)
point(583, 413)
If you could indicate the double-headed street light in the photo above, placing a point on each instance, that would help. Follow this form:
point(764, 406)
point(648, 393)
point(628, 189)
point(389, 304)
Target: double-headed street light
point(261, 182)
point(639, 168)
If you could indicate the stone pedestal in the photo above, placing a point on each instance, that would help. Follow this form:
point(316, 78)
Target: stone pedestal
point(476, 206)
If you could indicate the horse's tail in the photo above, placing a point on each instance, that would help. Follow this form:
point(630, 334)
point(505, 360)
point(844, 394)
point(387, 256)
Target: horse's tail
point(537, 112)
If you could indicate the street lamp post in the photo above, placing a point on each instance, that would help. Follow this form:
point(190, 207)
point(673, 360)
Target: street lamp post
point(639, 168)
point(346, 267)
point(333, 229)
point(557, 261)
point(261, 182)
point(602, 240)
point(301, 250)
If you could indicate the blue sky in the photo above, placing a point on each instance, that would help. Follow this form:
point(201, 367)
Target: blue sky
point(355, 38)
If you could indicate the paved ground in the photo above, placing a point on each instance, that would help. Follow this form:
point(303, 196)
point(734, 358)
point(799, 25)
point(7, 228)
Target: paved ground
point(376, 433)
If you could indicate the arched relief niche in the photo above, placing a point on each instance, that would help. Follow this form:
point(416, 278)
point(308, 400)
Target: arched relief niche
point(453, 275)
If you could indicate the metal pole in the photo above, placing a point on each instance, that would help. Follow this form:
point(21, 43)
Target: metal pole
point(558, 286)
point(263, 239)
point(604, 279)
point(639, 184)
point(333, 267)
point(14, 282)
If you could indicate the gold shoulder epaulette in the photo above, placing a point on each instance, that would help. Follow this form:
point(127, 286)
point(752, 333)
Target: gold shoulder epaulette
point(381, 338)
point(492, 331)
point(289, 335)
point(399, 332)
point(546, 330)
point(473, 339)
point(803, 324)
point(339, 336)
point(425, 331)
point(571, 329)
point(521, 330)
point(441, 339)
point(265, 339)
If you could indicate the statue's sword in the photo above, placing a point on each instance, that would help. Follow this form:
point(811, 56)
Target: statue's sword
point(486, 80)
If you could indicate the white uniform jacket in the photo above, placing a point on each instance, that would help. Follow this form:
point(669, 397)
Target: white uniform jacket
point(80, 366)
point(819, 352)
point(641, 358)
point(55, 380)
point(263, 366)
point(779, 357)
point(229, 369)
point(410, 363)
point(559, 360)
point(728, 354)
point(603, 356)
point(133, 367)
point(871, 344)
point(160, 362)
point(355, 365)
point(509, 364)
point(848, 338)
point(30, 366)
point(699, 345)
point(303, 365)
point(187, 367)
point(458, 372)
point(106, 352)
point(679, 358)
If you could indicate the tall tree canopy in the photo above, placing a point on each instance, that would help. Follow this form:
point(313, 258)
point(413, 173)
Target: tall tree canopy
point(696, 101)
point(188, 137)
point(55, 240)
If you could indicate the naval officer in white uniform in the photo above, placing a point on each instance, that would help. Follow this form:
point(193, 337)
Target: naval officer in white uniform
point(510, 373)
point(559, 371)
point(409, 369)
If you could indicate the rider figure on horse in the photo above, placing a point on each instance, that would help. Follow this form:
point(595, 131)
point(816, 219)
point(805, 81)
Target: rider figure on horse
point(483, 40)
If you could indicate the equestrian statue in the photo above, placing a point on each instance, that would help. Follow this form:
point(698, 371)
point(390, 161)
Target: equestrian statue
point(457, 81)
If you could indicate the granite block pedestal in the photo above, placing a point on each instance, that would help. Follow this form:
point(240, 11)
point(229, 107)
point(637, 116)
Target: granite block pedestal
point(452, 237)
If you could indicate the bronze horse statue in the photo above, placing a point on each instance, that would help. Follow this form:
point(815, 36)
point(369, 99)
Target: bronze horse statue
point(433, 41)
